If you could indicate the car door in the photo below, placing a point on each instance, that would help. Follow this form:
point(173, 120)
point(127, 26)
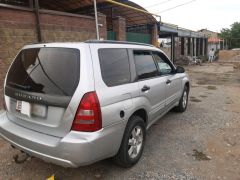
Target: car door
point(151, 85)
point(172, 79)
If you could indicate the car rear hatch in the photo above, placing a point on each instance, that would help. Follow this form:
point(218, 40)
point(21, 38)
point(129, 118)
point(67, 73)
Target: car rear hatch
point(39, 87)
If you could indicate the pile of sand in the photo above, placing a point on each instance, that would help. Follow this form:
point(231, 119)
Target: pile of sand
point(229, 55)
point(235, 58)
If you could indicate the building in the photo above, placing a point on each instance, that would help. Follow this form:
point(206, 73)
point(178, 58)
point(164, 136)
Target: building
point(24, 21)
point(184, 42)
point(33, 21)
point(214, 42)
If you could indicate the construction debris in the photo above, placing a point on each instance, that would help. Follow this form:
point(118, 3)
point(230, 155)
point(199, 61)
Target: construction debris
point(21, 157)
point(188, 60)
point(200, 156)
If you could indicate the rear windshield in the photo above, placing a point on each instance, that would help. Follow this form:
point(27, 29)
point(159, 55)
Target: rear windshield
point(53, 71)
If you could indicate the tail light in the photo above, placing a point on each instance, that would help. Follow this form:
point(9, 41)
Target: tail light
point(88, 117)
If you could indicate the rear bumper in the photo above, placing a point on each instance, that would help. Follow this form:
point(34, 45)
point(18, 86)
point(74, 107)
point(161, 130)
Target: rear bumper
point(73, 150)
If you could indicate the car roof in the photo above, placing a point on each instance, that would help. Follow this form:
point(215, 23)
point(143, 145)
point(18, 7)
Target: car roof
point(99, 43)
point(116, 42)
point(95, 42)
point(90, 42)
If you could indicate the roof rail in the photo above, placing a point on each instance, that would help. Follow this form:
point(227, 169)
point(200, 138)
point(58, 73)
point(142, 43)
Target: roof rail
point(117, 42)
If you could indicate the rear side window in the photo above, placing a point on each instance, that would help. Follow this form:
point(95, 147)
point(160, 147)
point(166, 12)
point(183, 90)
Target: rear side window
point(53, 71)
point(145, 65)
point(115, 67)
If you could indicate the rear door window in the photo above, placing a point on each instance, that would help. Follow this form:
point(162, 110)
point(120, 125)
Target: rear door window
point(53, 71)
point(145, 65)
point(115, 66)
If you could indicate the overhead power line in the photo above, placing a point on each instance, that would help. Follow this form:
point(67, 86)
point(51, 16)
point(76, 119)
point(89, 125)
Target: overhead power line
point(163, 2)
point(176, 6)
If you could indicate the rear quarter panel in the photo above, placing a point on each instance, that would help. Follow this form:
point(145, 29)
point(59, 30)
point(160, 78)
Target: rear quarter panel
point(114, 99)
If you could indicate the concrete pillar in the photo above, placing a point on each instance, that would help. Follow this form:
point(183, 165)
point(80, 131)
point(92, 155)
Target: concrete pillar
point(177, 47)
point(200, 53)
point(182, 45)
point(206, 46)
point(198, 47)
point(119, 27)
point(195, 46)
point(154, 34)
point(203, 47)
point(172, 48)
point(185, 46)
point(191, 47)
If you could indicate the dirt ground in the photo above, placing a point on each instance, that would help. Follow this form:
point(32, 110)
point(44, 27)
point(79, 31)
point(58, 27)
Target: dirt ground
point(201, 143)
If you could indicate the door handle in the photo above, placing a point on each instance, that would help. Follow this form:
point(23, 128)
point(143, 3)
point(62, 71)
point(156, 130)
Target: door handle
point(145, 88)
point(168, 81)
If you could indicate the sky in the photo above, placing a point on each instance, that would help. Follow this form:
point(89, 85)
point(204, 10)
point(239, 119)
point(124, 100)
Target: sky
point(199, 14)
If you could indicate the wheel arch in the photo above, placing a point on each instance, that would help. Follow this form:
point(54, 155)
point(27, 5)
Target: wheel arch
point(187, 84)
point(141, 113)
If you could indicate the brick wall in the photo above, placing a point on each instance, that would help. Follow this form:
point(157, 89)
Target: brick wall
point(154, 34)
point(67, 27)
point(18, 27)
point(119, 26)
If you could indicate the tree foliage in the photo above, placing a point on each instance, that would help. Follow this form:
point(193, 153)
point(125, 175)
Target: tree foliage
point(232, 35)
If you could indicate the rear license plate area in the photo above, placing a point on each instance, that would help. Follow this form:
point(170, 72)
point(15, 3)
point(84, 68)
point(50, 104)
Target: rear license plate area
point(23, 107)
point(30, 110)
point(39, 110)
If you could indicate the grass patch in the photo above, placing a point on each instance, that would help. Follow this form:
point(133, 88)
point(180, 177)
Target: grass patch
point(194, 99)
point(236, 66)
point(224, 79)
point(211, 87)
point(201, 82)
point(194, 86)
point(228, 102)
point(203, 96)
point(227, 75)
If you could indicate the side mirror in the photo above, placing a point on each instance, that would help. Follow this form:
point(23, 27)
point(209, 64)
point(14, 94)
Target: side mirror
point(180, 69)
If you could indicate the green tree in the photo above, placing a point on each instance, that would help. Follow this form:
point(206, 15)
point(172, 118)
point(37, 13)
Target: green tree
point(235, 34)
point(232, 35)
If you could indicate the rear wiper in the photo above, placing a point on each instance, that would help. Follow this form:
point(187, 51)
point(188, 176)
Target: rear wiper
point(55, 84)
point(19, 86)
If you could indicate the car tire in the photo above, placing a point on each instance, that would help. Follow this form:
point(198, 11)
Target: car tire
point(183, 103)
point(132, 144)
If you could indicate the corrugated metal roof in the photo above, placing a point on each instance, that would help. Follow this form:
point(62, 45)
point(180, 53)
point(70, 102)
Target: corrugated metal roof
point(110, 10)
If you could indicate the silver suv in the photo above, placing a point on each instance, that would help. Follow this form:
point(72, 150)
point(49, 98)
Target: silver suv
point(73, 104)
